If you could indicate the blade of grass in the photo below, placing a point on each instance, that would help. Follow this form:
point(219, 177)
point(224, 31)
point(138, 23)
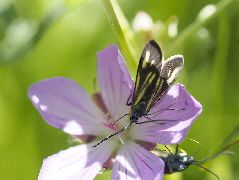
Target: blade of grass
point(122, 30)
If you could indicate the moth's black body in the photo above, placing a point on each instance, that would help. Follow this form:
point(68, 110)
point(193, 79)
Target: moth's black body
point(176, 163)
point(153, 79)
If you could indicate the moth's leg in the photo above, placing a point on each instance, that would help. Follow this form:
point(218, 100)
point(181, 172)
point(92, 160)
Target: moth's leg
point(157, 121)
point(153, 121)
point(176, 151)
point(169, 167)
point(170, 152)
point(168, 108)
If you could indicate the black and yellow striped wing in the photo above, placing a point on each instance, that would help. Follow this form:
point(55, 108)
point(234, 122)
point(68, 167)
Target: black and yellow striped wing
point(148, 82)
point(154, 76)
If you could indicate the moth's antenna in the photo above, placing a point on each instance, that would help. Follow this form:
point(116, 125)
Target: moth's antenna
point(223, 151)
point(120, 118)
point(206, 169)
point(229, 137)
point(114, 134)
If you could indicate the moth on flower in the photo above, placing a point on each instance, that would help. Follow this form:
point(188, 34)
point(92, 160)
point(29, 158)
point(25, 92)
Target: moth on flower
point(153, 79)
point(65, 105)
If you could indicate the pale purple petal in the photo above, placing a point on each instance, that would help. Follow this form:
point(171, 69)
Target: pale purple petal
point(183, 109)
point(133, 162)
point(64, 104)
point(115, 81)
point(79, 162)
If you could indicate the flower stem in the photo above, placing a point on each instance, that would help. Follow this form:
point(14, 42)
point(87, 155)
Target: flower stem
point(121, 29)
point(205, 15)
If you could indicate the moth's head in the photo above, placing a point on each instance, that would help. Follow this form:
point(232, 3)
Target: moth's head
point(185, 159)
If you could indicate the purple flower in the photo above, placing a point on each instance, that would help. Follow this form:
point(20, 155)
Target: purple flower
point(65, 105)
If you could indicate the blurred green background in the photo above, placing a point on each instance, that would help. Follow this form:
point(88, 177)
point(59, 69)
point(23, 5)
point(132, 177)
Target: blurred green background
point(40, 39)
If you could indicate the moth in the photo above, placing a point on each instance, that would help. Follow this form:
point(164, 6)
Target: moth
point(180, 161)
point(154, 77)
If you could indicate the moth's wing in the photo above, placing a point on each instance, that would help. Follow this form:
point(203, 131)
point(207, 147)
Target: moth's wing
point(172, 68)
point(168, 74)
point(147, 74)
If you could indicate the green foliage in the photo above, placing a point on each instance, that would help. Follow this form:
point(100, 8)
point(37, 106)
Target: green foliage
point(66, 45)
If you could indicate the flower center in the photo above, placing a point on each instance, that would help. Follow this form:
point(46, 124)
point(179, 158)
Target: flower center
point(111, 124)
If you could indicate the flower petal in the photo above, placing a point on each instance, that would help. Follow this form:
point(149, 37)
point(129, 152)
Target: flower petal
point(79, 162)
point(64, 104)
point(115, 81)
point(133, 162)
point(182, 110)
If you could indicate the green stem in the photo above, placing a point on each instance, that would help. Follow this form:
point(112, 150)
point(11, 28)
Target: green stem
point(121, 29)
point(193, 28)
